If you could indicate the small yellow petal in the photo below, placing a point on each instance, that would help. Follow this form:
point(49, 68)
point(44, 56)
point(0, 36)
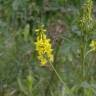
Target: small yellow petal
point(93, 44)
point(37, 30)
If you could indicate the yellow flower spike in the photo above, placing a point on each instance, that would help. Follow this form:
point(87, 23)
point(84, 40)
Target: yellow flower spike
point(93, 44)
point(40, 29)
point(43, 47)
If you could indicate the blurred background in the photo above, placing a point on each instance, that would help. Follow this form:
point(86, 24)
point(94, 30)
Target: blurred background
point(20, 70)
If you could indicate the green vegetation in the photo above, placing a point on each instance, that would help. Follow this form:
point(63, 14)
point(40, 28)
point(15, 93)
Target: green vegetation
point(70, 39)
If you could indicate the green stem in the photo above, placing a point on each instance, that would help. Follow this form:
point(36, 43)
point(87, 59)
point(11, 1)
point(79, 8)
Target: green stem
point(59, 77)
point(83, 50)
point(88, 52)
point(82, 57)
point(83, 63)
point(88, 64)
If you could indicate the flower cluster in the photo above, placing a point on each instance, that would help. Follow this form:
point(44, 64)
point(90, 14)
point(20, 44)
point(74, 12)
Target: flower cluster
point(86, 16)
point(43, 46)
point(93, 45)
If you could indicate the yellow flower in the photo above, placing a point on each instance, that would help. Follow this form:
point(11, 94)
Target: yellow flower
point(43, 47)
point(93, 44)
point(43, 60)
point(40, 29)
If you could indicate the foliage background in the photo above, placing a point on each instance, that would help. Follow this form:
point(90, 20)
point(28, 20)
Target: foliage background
point(19, 67)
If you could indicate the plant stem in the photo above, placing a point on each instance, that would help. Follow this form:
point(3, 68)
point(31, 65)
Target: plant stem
point(59, 77)
point(82, 56)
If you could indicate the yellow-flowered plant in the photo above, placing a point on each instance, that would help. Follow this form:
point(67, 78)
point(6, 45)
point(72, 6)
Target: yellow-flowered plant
point(86, 19)
point(43, 46)
point(93, 45)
